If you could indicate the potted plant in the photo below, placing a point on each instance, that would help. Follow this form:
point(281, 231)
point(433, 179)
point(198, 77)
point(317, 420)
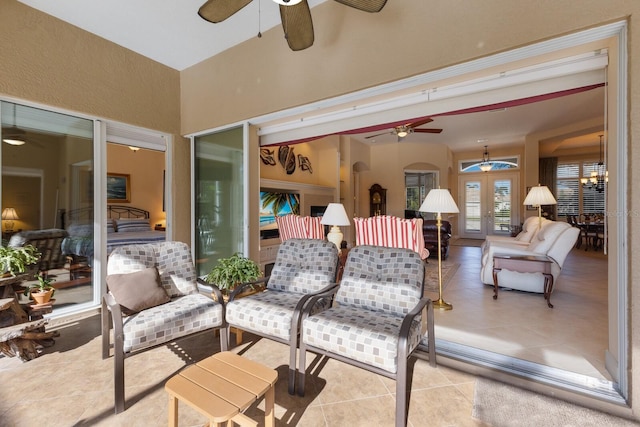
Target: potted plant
point(14, 260)
point(41, 291)
point(230, 272)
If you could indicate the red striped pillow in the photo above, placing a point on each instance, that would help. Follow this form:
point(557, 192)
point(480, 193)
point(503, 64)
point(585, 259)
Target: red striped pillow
point(299, 227)
point(391, 231)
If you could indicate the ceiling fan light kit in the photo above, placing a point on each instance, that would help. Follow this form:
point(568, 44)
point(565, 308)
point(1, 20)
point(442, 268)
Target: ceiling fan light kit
point(295, 16)
point(404, 130)
point(287, 2)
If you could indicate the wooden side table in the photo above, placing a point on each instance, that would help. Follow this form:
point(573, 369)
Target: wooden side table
point(222, 387)
point(524, 264)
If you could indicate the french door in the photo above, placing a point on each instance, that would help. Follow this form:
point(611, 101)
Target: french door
point(490, 204)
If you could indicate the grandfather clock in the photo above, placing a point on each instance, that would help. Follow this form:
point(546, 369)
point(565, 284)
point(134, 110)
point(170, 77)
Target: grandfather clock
point(377, 200)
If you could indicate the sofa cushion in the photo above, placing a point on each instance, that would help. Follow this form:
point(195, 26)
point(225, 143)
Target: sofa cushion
point(545, 238)
point(137, 291)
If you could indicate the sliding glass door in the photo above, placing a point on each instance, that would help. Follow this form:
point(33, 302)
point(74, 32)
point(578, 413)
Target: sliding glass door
point(219, 194)
point(47, 170)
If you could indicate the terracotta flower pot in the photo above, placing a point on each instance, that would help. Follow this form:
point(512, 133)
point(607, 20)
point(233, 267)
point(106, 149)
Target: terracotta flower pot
point(42, 297)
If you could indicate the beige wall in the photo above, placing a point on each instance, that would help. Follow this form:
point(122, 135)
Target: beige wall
point(47, 61)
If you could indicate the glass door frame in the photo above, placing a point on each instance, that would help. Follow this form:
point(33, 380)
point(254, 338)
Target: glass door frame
point(487, 212)
point(245, 183)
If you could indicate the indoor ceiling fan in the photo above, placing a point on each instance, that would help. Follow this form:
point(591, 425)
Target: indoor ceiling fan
point(294, 14)
point(403, 130)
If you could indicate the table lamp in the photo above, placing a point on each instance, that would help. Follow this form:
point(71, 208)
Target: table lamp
point(9, 215)
point(439, 201)
point(335, 216)
point(538, 196)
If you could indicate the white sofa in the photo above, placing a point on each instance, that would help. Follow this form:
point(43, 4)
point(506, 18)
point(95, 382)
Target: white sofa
point(555, 239)
point(530, 228)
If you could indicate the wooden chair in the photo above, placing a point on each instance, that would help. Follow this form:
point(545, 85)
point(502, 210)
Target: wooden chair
point(377, 320)
point(178, 308)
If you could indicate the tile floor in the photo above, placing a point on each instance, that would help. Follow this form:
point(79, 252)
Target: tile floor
point(75, 385)
point(572, 336)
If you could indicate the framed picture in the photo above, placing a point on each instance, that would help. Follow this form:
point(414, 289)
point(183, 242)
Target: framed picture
point(530, 207)
point(118, 188)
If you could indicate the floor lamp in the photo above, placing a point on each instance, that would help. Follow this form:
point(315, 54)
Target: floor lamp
point(538, 196)
point(439, 201)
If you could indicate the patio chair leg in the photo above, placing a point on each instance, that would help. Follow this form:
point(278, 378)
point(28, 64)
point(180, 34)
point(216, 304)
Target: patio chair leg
point(301, 368)
point(118, 381)
point(224, 339)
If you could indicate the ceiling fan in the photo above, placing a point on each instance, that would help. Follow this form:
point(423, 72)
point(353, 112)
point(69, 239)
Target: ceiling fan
point(294, 14)
point(403, 130)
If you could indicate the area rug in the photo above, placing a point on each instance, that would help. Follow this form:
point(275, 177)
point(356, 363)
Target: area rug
point(467, 242)
point(502, 405)
point(431, 274)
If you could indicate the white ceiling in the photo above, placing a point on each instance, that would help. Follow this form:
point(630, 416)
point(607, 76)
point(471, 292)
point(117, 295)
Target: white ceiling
point(172, 33)
point(167, 31)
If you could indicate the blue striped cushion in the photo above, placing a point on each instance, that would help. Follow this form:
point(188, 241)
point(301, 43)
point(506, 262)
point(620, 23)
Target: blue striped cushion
point(124, 225)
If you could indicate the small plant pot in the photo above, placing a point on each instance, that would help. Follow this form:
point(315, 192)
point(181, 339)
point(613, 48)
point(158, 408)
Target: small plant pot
point(42, 297)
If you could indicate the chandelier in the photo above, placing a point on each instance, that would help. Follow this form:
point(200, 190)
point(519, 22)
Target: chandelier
point(485, 165)
point(599, 175)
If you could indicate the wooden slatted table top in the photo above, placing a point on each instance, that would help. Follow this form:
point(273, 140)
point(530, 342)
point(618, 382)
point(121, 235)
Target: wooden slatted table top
point(223, 385)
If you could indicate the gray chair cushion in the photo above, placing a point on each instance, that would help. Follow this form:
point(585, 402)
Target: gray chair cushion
point(367, 336)
point(166, 322)
point(269, 312)
point(382, 279)
point(304, 266)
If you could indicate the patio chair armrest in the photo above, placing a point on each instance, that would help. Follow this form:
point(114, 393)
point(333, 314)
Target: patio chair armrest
point(116, 318)
point(425, 304)
point(308, 301)
point(210, 289)
point(243, 287)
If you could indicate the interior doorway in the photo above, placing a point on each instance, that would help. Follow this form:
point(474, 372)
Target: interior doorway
point(488, 204)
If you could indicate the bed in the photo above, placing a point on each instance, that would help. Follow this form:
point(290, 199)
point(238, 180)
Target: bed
point(126, 225)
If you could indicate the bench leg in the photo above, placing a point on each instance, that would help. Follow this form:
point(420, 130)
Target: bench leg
point(269, 403)
point(173, 411)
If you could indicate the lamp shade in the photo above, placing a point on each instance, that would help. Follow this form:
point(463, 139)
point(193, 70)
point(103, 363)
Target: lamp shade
point(9, 214)
point(538, 196)
point(335, 215)
point(439, 200)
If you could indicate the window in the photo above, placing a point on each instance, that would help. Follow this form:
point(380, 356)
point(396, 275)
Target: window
point(417, 185)
point(572, 196)
point(505, 163)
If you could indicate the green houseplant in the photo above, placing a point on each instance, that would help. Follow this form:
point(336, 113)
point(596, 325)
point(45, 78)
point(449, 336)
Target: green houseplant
point(41, 291)
point(232, 271)
point(15, 260)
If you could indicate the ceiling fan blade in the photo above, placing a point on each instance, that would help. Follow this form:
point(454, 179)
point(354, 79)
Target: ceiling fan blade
point(378, 134)
point(218, 10)
point(428, 130)
point(297, 25)
point(365, 5)
point(419, 122)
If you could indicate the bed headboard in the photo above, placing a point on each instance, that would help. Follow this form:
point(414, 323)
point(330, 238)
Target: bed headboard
point(113, 212)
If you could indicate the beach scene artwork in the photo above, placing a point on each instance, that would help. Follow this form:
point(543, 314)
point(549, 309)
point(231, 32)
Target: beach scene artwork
point(275, 203)
point(118, 188)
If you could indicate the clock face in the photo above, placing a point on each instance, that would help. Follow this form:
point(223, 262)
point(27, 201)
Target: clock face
point(375, 198)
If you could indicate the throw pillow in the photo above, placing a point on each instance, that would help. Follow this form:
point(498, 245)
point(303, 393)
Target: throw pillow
point(137, 291)
point(124, 225)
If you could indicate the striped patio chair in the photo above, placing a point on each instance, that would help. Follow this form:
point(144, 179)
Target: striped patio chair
point(391, 232)
point(299, 227)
